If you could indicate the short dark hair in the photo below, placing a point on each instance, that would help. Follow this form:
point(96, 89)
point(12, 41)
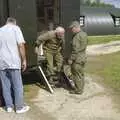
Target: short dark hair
point(11, 20)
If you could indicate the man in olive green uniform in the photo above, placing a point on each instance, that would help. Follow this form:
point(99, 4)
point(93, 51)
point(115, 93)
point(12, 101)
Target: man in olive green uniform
point(52, 47)
point(77, 59)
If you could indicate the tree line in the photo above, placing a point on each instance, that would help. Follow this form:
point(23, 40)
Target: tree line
point(96, 3)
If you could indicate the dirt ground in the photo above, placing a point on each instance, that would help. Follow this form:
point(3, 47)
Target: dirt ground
point(94, 104)
point(107, 48)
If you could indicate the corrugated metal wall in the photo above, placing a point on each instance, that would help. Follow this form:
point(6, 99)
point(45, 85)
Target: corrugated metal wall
point(70, 10)
point(98, 21)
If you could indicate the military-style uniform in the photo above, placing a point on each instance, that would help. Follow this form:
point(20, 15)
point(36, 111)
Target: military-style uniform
point(52, 46)
point(78, 58)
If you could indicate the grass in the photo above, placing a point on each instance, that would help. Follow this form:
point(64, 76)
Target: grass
point(107, 67)
point(30, 91)
point(102, 39)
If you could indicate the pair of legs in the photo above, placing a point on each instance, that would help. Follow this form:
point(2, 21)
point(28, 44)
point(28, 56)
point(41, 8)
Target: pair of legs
point(12, 88)
point(53, 59)
point(77, 75)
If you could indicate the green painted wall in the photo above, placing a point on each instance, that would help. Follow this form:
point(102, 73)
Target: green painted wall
point(25, 13)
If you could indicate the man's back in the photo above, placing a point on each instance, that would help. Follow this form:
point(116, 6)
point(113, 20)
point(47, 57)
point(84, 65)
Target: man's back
point(10, 37)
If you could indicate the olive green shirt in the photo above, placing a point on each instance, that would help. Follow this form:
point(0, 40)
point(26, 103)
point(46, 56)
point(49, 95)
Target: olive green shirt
point(50, 41)
point(79, 44)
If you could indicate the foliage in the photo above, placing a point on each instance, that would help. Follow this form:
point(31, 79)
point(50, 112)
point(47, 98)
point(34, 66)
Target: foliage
point(96, 4)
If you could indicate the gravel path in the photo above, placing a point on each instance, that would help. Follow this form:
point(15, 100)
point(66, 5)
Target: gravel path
point(107, 48)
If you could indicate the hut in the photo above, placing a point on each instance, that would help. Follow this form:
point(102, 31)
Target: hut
point(100, 20)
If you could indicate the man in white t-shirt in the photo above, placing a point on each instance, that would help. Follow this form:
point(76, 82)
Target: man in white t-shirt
point(12, 61)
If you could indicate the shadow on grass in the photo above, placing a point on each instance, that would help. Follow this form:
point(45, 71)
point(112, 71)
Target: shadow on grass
point(31, 78)
point(34, 78)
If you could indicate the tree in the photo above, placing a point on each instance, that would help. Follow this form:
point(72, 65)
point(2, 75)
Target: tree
point(88, 2)
point(96, 3)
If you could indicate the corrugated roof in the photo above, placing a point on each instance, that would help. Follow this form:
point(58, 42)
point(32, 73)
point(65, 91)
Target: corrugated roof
point(86, 10)
point(115, 12)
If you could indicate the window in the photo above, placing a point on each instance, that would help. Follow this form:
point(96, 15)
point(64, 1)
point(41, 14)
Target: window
point(82, 20)
point(117, 21)
point(45, 12)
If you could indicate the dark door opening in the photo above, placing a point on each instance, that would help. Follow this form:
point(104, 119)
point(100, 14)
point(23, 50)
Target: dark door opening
point(48, 14)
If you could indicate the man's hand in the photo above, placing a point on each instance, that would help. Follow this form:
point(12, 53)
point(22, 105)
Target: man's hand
point(24, 65)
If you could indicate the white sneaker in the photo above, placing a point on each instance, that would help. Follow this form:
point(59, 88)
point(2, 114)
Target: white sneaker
point(23, 110)
point(9, 109)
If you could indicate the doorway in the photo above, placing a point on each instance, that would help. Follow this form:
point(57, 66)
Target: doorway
point(48, 14)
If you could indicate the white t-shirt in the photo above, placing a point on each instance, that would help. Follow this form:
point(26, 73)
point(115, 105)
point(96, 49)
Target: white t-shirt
point(10, 37)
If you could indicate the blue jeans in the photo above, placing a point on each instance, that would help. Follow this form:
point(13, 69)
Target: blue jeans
point(12, 87)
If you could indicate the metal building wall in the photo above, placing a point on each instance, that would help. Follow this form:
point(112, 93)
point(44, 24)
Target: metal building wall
point(25, 13)
point(3, 11)
point(70, 10)
point(98, 21)
point(116, 13)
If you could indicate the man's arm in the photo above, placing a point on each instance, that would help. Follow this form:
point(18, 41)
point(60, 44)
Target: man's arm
point(22, 52)
point(21, 47)
point(44, 37)
point(79, 45)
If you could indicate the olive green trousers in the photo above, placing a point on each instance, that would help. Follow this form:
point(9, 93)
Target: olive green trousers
point(54, 62)
point(77, 75)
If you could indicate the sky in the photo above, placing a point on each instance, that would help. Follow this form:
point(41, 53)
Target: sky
point(116, 3)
